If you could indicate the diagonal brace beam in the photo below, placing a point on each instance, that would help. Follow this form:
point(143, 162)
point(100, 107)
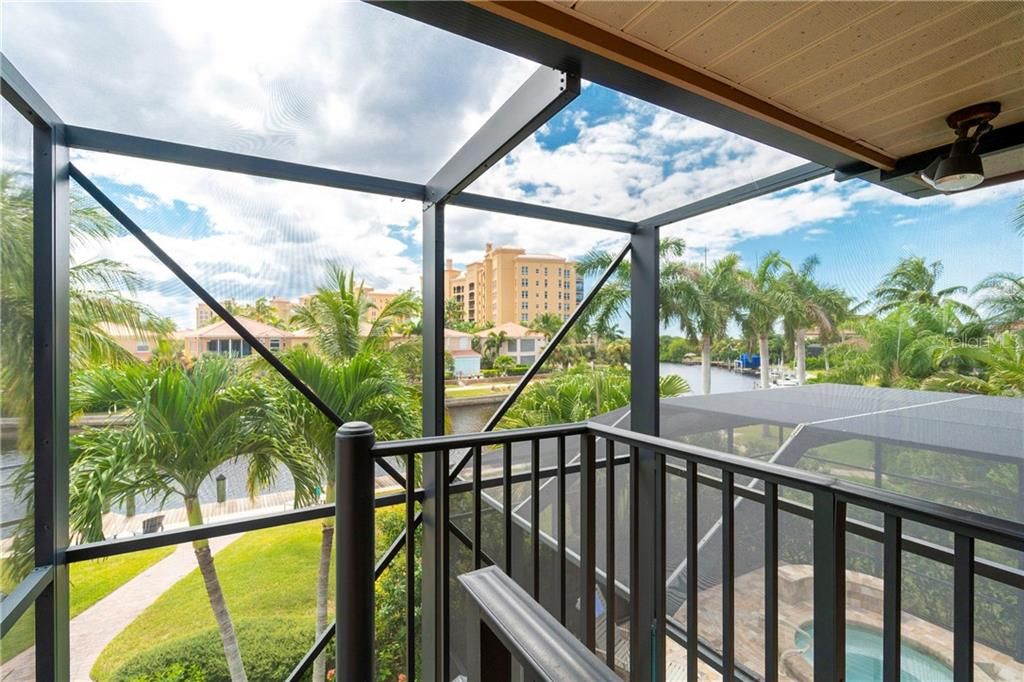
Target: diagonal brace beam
point(542, 96)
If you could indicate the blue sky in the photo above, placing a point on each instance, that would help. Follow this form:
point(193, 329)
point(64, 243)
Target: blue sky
point(276, 81)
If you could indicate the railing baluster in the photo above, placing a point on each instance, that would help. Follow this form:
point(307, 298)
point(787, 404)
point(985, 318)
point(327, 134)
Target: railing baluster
point(691, 571)
point(477, 497)
point(771, 582)
point(610, 498)
point(506, 466)
point(561, 531)
point(728, 577)
point(892, 585)
point(410, 568)
point(829, 556)
point(963, 608)
point(588, 537)
point(535, 516)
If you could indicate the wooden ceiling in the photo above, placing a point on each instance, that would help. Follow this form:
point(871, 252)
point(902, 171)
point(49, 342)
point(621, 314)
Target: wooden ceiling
point(874, 79)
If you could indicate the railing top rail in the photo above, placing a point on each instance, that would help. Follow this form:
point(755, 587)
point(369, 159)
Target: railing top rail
point(412, 446)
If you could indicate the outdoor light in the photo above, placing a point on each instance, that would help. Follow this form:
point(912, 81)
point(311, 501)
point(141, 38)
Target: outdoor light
point(961, 168)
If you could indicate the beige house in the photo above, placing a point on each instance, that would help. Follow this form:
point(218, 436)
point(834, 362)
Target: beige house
point(510, 285)
point(139, 345)
point(521, 344)
point(218, 337)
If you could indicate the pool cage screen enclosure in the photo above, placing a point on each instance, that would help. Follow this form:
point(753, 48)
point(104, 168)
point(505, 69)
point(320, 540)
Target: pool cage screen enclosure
point(445, 462)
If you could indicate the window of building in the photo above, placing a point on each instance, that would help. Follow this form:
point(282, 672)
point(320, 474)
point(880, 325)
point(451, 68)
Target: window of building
point(526, 345)
point(524, 317)
point(524, 283)
point(141, 347)
point(524, 270)
point(510, 346)
point(275, 344)
point(545, 272)
point(526, 294)
point(526, 360)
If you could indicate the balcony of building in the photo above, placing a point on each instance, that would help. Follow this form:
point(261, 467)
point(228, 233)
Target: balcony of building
point(597, 516)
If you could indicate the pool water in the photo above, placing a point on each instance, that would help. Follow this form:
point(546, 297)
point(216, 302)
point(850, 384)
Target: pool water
point(864, 657)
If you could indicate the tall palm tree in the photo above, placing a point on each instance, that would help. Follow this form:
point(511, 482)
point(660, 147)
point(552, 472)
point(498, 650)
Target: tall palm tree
point(363, 388)
point(612, 300)
point(101, 295)
point(1002, 299)
point(337, 315)
point(184, 424)
point(805, 304)
point(704, 299)
point(764, 307)
point(913, 280)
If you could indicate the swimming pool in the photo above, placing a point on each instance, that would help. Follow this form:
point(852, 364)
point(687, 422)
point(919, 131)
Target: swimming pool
point(864, 657)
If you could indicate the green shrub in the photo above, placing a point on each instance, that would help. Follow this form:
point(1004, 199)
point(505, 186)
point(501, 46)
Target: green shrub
point(489, 372)
point(518, 370)
point(270, 649)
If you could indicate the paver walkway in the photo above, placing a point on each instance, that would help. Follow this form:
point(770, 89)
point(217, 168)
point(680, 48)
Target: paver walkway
point(95, 627)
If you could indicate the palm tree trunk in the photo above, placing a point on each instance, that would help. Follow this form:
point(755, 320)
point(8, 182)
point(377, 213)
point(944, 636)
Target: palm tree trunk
point(322, 578)
point(705, 364)
point(762, 349)
point(204, 557)
point(801, 357)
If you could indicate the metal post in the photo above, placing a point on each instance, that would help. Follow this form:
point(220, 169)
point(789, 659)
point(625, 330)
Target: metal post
point(355, 553)
point(50, 348)
point(647, 617)
point(829, 554)
point(435, 469)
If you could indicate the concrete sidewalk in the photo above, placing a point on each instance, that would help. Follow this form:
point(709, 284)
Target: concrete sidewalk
point(93, 629)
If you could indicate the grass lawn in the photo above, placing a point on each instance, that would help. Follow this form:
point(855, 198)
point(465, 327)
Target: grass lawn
point(264, 574)
point(478, 391)
point(90, 582)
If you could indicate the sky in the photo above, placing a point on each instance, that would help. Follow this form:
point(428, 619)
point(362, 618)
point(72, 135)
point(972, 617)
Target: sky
point(354, 87)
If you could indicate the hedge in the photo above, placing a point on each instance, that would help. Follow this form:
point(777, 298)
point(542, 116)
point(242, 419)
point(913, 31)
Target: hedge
point(270, 649)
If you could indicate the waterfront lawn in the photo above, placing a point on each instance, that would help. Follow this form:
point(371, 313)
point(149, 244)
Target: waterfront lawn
point(90, 582)
point(478, 391)
point(267, 574)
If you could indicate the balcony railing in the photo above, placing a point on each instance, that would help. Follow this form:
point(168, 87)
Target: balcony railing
point(736, 478)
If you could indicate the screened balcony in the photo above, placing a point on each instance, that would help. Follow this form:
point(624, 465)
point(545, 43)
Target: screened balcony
point(241, 441)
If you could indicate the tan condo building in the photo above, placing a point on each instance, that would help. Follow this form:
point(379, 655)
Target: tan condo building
point(510, 285)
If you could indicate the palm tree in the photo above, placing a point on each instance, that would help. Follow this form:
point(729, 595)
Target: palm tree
point(1002, 368)
point(337, 315)
point(547, 324)
point(1002, 299)
point(806, 304)
point(704, 300)
point(764, 306)
point(578, 395)
point(612, 300)
point(101, 295)
point(363, 388)
point(913, 281)
point(493, 344)
point(185, 423)
point(262, 311)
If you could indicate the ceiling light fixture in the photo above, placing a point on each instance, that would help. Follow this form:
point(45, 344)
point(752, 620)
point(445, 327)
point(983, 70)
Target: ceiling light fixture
point(961, 167)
